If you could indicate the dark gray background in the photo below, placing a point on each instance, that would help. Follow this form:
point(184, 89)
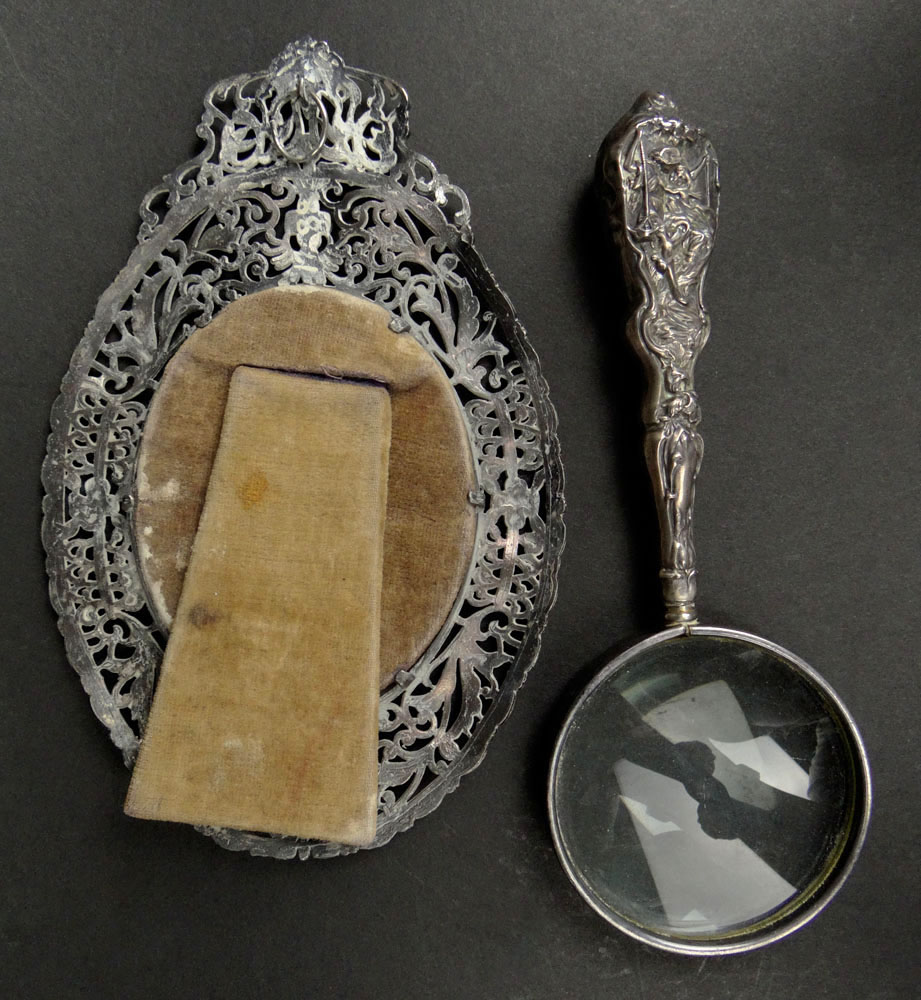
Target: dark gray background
point(807, 523)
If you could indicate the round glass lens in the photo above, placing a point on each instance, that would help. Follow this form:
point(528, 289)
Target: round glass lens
point(704, 788)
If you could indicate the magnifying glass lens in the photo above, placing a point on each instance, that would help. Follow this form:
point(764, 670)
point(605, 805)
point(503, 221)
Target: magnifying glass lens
point(705, 788)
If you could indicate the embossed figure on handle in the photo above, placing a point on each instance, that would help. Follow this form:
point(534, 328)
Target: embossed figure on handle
point(660, 181)
point(654, 739)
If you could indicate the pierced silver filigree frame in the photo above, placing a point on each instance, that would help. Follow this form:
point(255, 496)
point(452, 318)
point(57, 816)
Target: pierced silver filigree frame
point(305, 176)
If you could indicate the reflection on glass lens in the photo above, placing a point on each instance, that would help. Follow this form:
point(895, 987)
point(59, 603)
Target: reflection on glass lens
point(703, 788)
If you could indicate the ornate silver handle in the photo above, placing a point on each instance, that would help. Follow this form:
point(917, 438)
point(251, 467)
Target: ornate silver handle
point(660, 181)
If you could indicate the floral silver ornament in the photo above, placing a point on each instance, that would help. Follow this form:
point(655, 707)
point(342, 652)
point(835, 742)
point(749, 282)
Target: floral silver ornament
point(305, 176)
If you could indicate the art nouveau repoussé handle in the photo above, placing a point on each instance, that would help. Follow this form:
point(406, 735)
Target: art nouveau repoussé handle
point(660, 182)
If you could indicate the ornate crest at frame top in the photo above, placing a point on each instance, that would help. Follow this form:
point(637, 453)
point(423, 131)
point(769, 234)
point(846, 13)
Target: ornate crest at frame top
point(312, 110)
point(305, 176)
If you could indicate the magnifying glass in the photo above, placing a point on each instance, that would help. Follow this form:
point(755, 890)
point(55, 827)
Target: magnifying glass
point(709, 792)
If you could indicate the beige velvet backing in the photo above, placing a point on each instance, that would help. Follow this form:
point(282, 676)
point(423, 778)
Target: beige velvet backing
point(265, 714)
point(431, 524)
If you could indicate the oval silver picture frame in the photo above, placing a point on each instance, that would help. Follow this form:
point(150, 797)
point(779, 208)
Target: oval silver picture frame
point(304, 176)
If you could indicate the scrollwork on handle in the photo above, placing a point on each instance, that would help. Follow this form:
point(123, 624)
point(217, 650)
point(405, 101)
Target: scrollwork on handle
point(660, 182)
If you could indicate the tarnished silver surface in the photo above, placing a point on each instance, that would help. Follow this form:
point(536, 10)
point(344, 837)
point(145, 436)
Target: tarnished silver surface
point(304, 176)
point(660, 181)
